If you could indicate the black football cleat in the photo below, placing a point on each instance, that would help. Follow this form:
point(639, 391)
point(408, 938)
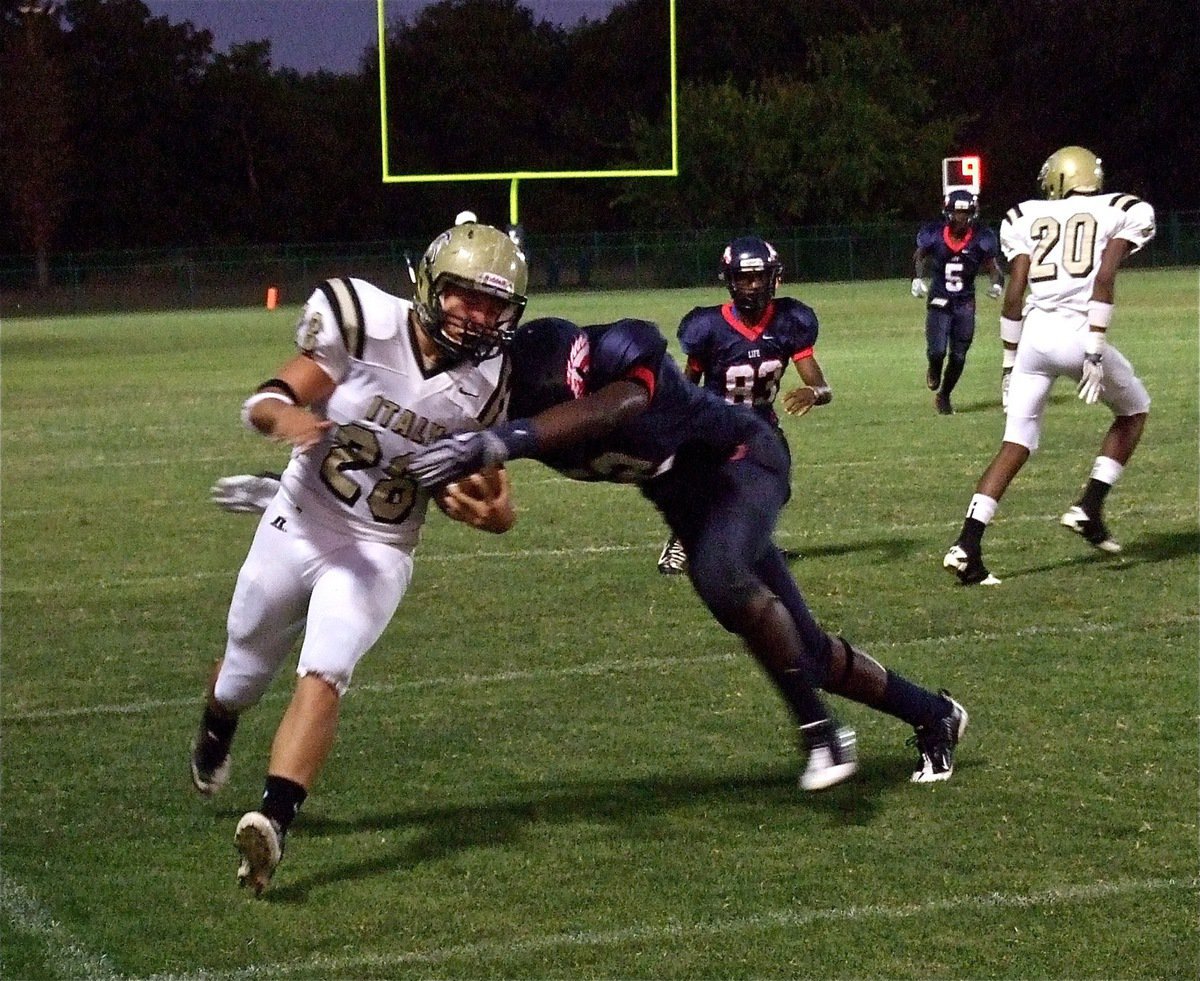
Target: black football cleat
point(936, 743)
point(969, 567)
point(1091, 529)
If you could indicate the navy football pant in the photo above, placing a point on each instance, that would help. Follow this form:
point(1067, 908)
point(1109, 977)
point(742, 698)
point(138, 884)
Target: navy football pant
point(725, 514)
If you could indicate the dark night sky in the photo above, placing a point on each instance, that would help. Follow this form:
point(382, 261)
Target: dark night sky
point(311, 34)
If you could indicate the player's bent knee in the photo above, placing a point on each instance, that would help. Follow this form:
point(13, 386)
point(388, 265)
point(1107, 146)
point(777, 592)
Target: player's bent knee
point(338, 681)
point(736, 602)
point(237, 691)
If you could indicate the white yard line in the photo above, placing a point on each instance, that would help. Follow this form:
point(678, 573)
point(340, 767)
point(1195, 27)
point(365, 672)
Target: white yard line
point(89, 585)
point(618, 666)
point(647, 933)
point(65, 955)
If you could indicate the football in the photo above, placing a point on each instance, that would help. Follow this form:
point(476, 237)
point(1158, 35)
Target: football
point(480, 500)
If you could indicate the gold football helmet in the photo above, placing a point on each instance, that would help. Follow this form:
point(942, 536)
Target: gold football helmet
point(475, 257)
point(1070, 169)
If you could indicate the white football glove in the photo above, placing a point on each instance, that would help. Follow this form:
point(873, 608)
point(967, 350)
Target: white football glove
point(1091, 385)
point(995, 290)
point(245, 493)
point(919, 288)
point(1005, 381)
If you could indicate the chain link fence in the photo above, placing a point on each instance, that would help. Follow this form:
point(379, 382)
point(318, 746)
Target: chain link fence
point(232, 277)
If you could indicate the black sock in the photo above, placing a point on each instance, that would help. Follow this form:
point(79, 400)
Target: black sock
point(281, 800)
point(1093, 497)
point(910, 703)
point(972, 533)
point(954, 370)
point(221, 724)
point(806, 704)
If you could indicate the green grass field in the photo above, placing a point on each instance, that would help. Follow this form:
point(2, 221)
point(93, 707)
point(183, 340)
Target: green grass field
point(554, 764)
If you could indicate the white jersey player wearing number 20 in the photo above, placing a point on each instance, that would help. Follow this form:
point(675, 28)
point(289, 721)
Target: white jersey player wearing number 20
point(376, 377)
point(1066, 250)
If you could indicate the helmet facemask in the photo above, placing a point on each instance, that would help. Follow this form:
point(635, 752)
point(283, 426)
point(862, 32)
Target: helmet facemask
point(479, 259)
point(961, 210)
point(751, 271)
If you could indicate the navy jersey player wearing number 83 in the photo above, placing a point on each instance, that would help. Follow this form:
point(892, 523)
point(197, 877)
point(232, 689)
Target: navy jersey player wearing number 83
point(740, 350)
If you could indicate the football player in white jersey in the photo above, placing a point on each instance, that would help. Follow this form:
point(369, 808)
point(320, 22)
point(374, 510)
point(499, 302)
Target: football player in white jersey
point(1066, 250)
point(375, 378)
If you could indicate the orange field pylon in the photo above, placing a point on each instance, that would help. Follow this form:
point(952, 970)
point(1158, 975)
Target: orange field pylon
point(272, 297)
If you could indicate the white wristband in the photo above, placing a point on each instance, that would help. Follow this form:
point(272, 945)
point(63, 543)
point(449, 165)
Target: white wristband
point(1008, 358)
point(1099, 314)
point(1093, 343)
point(1010, 330)
point(254, 399)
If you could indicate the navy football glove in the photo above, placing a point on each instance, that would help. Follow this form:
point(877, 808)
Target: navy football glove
point(456, 457)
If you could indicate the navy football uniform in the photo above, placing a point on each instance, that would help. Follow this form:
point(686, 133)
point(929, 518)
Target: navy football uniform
point(719, 475)
point(743, 364)
point(955, 262)
point(950, 309)
point(681, 416)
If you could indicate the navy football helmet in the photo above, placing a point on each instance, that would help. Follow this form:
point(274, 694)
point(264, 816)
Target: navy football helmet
point(550, 361)
point(751, 270)
point(961, 204)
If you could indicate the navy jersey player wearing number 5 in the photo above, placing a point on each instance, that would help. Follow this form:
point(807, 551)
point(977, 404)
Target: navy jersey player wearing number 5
point(740, 350)
point(955, 249)
point(375, 377)
point(608, 403)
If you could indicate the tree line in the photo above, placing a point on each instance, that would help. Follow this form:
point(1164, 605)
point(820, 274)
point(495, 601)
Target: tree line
point(119, 130)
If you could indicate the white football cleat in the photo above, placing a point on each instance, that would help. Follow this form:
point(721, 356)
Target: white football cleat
point(260, 843)
point(673, 560)
point(1091, 529)
point(832, 755)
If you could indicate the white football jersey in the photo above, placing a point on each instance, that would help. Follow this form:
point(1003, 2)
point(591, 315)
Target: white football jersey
point(1065, 239)
point(384, 408)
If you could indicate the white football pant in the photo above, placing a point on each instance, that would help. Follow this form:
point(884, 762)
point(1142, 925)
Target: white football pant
point(1051, 347)
point(312, 577)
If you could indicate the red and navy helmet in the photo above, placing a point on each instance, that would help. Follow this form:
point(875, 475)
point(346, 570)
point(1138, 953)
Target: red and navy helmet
point(751, 270)
point(959, 204)
point(550, 361)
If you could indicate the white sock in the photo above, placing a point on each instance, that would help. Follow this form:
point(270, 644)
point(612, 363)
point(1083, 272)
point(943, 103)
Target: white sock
point(982, 508)
point(1107, 470)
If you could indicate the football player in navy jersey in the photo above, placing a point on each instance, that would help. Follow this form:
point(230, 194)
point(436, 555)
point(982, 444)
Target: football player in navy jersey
point(955, 249)
point(740, 350)
point(608, 403)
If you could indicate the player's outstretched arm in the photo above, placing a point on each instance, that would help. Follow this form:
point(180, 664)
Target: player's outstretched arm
point(556, 428)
